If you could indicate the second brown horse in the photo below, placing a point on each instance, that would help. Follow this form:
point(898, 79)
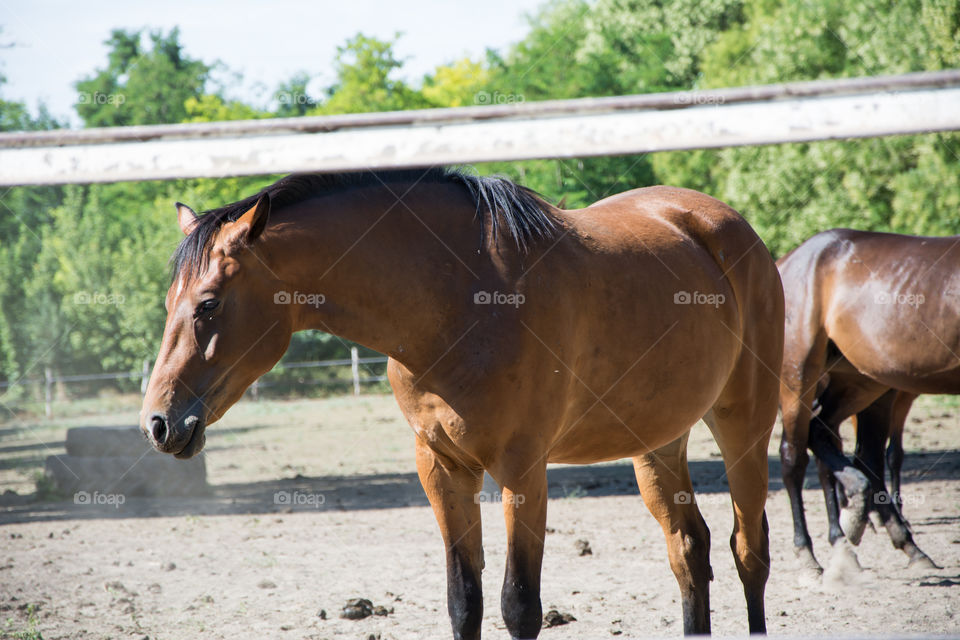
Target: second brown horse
point(871, 322)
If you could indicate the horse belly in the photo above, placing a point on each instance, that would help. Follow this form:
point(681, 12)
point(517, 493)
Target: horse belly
point(907, 347)
point(604, 438)
point(621, 407)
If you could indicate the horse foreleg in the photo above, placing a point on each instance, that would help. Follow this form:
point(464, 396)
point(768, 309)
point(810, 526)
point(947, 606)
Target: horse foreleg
point(524, 493)
point(664, 481)
point(451, 489)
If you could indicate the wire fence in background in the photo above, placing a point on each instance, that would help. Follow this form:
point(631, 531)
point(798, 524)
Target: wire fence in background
point(48, 383)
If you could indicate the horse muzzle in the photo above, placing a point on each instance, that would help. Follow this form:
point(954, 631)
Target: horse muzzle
point(183, 438)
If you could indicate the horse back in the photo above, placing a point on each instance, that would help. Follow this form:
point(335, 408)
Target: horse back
point(886, 303)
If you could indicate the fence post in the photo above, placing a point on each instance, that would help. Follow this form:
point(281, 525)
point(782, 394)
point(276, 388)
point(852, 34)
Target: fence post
point(355, 369)
point(48, 392)
point(144, 376)
point(255, 389)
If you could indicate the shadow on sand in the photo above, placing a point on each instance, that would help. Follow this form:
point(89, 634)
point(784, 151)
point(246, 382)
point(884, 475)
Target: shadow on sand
point(382, 491)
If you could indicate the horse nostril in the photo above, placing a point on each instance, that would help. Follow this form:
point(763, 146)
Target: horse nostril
point(158, 427)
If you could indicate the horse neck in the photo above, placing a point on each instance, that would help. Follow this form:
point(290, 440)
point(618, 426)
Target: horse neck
point(397, 277)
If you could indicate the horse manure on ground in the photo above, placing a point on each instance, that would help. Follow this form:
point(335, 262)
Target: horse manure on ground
point(360, 608)
point(357, 609)
point(555, 619)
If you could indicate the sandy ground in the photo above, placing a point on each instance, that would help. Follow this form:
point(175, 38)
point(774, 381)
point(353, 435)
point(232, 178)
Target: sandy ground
point(236, 564)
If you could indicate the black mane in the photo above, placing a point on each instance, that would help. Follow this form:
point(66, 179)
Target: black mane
point(498, 200)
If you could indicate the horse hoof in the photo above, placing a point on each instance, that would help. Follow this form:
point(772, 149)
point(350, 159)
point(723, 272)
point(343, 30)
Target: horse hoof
point(808, 561)
point(853, 525)
point(853, 517)
point(920, 560)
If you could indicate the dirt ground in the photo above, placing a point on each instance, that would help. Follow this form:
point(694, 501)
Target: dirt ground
point(241, 563)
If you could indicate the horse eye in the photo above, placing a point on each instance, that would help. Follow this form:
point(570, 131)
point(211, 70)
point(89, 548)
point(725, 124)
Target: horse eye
point(207, 306)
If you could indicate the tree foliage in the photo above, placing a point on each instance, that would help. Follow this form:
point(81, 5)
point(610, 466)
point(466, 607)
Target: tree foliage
point(141, 85)
point(789, 192)
point(366, 70)
point(83, 269)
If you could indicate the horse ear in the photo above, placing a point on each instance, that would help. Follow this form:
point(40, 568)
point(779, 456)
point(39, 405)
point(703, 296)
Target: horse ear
point(187, 218)
point(256, 218)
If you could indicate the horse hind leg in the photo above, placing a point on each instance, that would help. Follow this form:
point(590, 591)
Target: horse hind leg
point(741, 420)
point(743, 434)
point(873, 428)
point(844, 397)
point(833, 492)
point(901, 408)
point(799, 388)
point(664, 481)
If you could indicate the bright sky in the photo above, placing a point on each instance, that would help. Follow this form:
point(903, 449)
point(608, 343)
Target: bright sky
point(58, 42)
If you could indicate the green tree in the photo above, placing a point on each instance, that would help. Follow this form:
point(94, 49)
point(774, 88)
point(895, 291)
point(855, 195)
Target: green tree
point(656, 45)
point(905, 184)
point(293, 98)
point(564, 56)
point(213, 108)
point(457, 84)
point(83, 270)
point(365, 68)
point(23, 212)
point(141, 85)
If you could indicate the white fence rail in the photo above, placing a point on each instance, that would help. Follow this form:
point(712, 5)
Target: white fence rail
point(49, 381)
point(797, 112)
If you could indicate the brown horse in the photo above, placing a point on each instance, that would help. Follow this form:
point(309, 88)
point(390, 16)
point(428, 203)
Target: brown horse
point(870, 324)
point(518, 334)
